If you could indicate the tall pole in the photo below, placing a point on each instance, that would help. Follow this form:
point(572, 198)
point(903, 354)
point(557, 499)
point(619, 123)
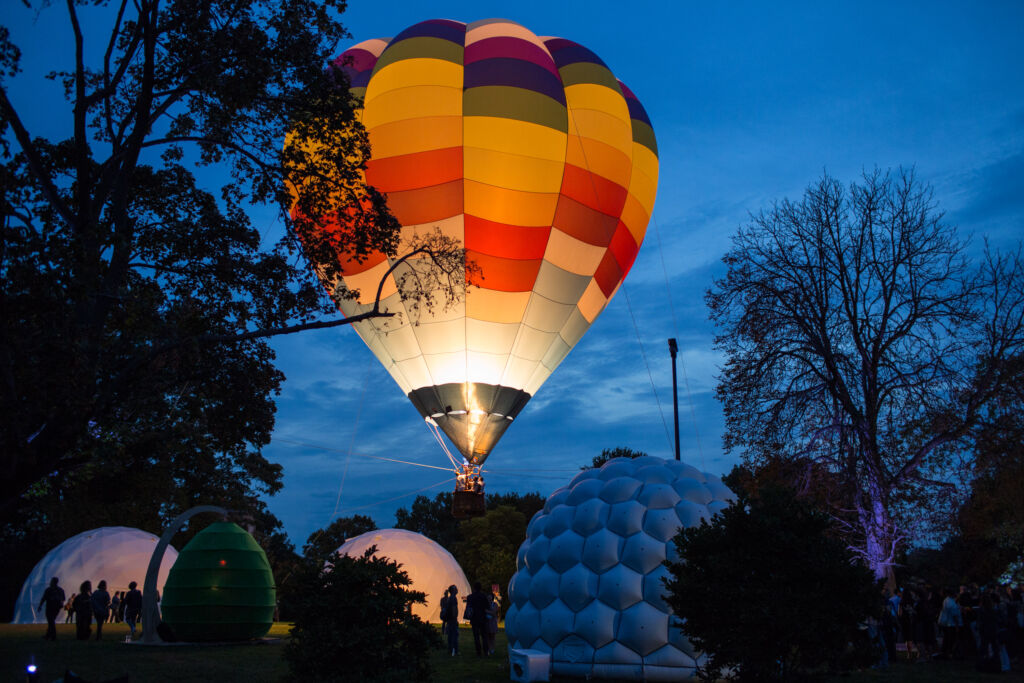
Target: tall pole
point(673, 348)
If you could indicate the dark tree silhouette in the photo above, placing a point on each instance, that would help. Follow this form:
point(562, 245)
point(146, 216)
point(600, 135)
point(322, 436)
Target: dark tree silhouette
point(136, 296)
point(859, 335)
point(323, 543)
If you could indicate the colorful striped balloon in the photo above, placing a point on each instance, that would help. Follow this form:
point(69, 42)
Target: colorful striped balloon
point(531, 154)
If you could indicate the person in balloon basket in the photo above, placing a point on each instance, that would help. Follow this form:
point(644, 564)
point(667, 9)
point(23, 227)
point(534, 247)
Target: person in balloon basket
point(83, 611)
point(450, 618)
point(476, 612)
point(100, 607)
point(132, 604)
point(53, 598)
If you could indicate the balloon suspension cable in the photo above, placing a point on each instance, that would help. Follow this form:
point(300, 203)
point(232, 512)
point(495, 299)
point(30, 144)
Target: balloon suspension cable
point(675, 328)
point(436, 431)
point(362, 455)
point(625, 293)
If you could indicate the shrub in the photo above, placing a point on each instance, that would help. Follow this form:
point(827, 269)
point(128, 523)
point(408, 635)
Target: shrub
point(766, 591)
point(354, 622)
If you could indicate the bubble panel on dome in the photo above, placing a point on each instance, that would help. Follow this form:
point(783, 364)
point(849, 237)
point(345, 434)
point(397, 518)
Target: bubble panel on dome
point(589, 582)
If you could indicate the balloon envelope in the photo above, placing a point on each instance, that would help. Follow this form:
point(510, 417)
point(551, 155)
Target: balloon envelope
point(531, 154)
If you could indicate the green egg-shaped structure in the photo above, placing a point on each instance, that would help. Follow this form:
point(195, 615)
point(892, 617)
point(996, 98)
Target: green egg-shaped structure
point(220, 587)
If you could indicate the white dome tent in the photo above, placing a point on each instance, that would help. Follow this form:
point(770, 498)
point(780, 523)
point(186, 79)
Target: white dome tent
point(588, 593)
point(116, 554)
point(430, 567)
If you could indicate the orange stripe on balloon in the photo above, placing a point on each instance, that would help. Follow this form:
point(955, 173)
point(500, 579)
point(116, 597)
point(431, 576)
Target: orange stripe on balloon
point(507, 241)
point(608, 275)
point(503, 274)
point(427, 204)
point(584, 223)
point(414, 171)
point(593, 190)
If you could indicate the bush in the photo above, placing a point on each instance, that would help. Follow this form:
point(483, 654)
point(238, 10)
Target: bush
point(354, 622)
point(766, 591)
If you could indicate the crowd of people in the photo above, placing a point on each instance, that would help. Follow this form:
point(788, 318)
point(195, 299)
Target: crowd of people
point(482, 610)
point(87, 605)
point(986, 624)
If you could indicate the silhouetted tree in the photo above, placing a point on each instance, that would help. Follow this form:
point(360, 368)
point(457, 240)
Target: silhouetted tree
point(136, 296)
point(858, 335)
point(609, 453)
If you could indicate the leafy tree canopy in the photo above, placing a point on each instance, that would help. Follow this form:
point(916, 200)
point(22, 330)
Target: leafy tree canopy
point(767, 590)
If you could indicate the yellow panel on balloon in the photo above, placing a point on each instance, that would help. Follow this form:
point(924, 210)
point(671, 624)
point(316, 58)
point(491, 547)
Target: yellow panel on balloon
point(509, 206)
point(599, 98)
point(515, 137)
point(494, 306)
point(410, 72)
point(421, 134)
point(411, 103)
point(486, 367)
point(635, 218)
point(490, 337)
point(446, 368)
point(571, 254)
point(600, 158)
point(602, 126)
point(513, 171)
point(368, 281)
point(592, 302)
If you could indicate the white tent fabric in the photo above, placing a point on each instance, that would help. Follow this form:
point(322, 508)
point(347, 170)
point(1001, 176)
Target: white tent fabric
point(430, 567)
point(115, 554)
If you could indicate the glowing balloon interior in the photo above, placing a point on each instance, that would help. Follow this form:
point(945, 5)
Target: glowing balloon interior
point(542, 164)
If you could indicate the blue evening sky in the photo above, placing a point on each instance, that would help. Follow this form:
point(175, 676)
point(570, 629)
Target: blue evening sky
point(750, 101)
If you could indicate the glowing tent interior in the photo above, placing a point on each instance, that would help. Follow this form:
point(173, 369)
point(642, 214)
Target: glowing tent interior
point(115, 554)
point(531, 154)
point(430, 567)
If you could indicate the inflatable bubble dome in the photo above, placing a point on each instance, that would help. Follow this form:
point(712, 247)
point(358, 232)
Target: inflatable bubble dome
point(589, 582)
point(116, 554)
point(430, 567)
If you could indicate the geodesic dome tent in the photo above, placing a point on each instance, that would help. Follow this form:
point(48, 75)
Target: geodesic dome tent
point(430, 567)
point(116, 554)
point(588, 587)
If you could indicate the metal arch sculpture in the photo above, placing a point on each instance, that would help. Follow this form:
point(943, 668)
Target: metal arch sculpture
point(150, 610)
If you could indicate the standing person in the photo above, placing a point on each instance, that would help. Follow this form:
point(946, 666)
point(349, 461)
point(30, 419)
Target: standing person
point(70, 609)
point(924, 625)
point(101, 607)
point(132, 605)
point(115, 604)
point(444, 612)
point(906, 617)
point(950, 621)
point(493, 613)
point(476, 612)
point(53, 597)
point(451, 619)
point(83, 611)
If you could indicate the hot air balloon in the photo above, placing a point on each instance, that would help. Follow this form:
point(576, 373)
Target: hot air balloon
point(530, 153)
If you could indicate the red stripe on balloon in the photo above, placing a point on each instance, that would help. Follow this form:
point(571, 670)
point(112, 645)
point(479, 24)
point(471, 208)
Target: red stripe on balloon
point(502, 274)
point(416, 170)
point(506, 241)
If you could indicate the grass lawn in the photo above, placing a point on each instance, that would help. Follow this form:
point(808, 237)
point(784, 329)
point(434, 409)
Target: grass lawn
point(263, 661)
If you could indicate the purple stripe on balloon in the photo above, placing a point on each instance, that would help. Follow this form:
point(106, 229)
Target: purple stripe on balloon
point(567, 52)
point(507, 46)
point(514, 72)
point(359, 60)
point(455, 31)
point(359, 79)
point(636, 110)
